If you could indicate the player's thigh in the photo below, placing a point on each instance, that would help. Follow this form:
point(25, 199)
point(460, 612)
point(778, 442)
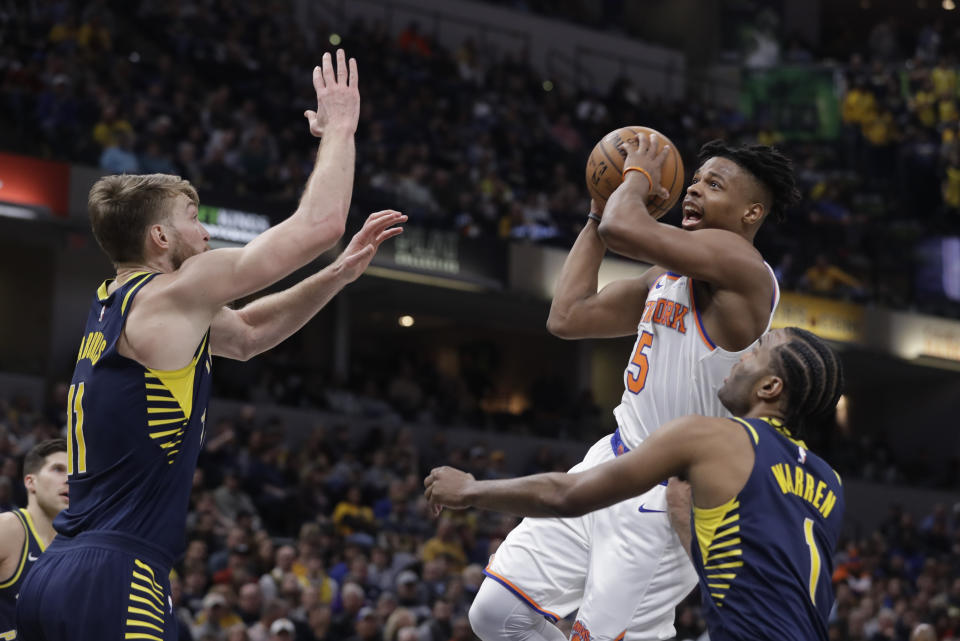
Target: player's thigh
point(544, 561)
point(95, 594)
point(632, 541)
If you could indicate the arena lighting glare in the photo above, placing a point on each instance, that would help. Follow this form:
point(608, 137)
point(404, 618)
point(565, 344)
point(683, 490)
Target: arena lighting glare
point(949, 5)
point(335, 39)
point(547, 85)
point(405, 321)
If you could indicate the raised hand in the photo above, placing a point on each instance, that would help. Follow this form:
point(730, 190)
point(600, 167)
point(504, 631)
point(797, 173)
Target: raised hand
point(363, 246)
point(642, 152)
point(448, 487)
point(338, 99)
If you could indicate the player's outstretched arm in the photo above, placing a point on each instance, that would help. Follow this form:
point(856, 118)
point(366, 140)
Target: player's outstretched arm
point(670, 451)
point(578, 310)
point(716, 256)
point(215, 278)
point(265, 323)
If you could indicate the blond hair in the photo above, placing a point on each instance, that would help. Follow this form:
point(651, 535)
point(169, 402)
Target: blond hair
point(123, 207)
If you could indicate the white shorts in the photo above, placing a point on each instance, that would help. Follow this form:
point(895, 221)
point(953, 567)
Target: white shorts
point(623, 566)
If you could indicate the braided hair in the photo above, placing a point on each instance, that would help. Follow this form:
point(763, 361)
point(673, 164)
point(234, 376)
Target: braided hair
point(767, 165)
point(812, 377)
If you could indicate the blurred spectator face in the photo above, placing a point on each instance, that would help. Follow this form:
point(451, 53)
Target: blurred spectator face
point(319, 617)
point(196, 551)
point(353, 597)
point(442, 610)
point(367, 626)
point(461, 630)
point(237, 632)
point(309, 597)
point(251, 598)
point(290, 588)
point(196, 581)
point(386, 604)
point(285, 558)
point(408, 633)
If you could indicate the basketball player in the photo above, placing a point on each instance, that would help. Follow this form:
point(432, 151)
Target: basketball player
point(138, 398)
point(708, 298)
point(766, 511)
point(27, 532)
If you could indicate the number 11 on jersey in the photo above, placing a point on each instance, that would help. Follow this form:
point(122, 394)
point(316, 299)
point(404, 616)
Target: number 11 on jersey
point(75, 424)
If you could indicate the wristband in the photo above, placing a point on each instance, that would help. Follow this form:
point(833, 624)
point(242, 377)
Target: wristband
point(643, 171)
point(593, 216)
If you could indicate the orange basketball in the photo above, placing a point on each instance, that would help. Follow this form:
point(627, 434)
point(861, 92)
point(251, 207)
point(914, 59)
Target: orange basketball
point(605, 168)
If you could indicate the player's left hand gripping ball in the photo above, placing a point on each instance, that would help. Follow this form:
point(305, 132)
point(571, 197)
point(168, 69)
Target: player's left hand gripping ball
point(448, 487)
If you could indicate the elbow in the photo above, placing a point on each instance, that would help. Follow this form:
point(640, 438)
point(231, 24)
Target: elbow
point(611, 233)
point(559, 326)
point(564, 503)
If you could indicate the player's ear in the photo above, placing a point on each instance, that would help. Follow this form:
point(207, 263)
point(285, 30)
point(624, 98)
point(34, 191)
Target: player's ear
point(30, 481)
point(771, 387)
point(158, 236)
point(754, 213)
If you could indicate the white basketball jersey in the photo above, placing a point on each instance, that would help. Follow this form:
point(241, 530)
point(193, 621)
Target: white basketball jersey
point(674, 369)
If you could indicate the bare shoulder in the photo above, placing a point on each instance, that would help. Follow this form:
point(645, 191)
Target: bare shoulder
point(708, 434)
point(11, 534)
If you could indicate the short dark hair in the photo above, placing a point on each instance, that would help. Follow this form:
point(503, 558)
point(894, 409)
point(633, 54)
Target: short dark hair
point(37, 456)
point(812, 377)
point(767, 165)
point(123, 207)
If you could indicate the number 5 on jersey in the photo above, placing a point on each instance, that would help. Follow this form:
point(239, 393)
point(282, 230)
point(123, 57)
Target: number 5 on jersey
point(636, 383)
point(75, 424)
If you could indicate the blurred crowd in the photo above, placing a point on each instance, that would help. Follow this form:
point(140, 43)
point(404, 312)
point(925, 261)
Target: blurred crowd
point(332, 540)
point(469, 138)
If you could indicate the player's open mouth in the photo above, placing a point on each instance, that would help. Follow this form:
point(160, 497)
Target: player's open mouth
point(691, 215)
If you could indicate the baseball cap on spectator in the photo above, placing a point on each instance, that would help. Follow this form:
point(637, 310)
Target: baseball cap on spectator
point(407, 576)
point(282, 625)
point(213, 599)
point(365, 612)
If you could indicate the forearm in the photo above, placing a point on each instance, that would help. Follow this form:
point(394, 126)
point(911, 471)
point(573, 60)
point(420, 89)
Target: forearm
point(539, 495)
point(678, 509)
point(578, 279)
point(627, 227)
point(274, 318)
point(326, 197)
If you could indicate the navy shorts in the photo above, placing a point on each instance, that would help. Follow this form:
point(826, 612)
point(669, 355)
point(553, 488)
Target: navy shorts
point(97, 586)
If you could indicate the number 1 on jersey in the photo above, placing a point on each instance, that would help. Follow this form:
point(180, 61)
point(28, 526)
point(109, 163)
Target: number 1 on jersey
point(75, 407)
point(636, 383)
point(814, 558)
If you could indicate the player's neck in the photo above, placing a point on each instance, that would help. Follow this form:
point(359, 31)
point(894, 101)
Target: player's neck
point(127, 271)
point(765, 410)
point(41, 522)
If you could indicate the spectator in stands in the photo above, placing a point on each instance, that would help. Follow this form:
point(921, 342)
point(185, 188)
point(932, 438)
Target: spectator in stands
point(825, 279)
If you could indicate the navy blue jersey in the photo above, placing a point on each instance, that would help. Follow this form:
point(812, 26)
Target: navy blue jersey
point(765, 558)
point(10, 586)
point(133, 433)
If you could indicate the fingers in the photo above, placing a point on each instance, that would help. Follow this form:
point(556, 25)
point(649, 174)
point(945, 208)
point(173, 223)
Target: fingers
point(329, 77)
point(353, 74)
point(341, 67)
point(318, 83)
point(631, 144)
point(387, 234)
